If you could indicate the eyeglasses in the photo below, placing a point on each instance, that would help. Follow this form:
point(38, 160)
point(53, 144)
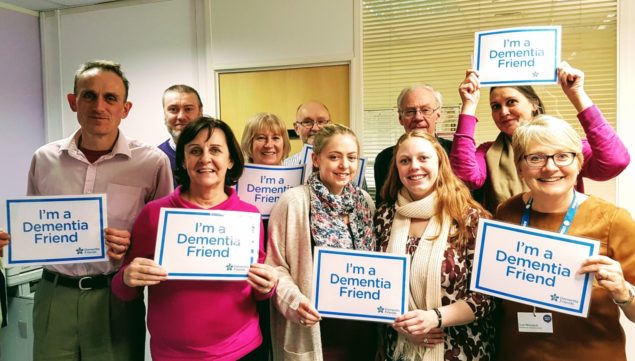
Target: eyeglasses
point(310, 123)
point(412, 112)
point(538, 160)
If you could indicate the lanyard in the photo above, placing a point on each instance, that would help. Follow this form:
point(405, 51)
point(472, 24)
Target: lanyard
point(568, 217)
point(566, 222)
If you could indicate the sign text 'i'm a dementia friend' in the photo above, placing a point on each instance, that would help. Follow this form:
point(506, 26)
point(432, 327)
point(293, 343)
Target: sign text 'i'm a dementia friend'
point(358, 283)
point(532, 264)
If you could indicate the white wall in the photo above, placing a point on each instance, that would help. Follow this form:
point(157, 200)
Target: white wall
point(280, 32)
point(21, 119)
point(155, 41)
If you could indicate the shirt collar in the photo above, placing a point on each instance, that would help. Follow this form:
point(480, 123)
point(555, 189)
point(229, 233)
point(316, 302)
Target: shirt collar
point(121, 145)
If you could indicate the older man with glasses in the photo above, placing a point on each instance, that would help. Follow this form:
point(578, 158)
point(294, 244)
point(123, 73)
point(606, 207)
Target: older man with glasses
point(310, 117)
point(419, 107)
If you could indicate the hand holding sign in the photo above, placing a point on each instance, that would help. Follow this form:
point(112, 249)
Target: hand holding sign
point(117, 241)
point(430, 339)
point(572, 82)
point(416, 322)
point(143, 272)
point(609, 275)
point(308, 315)
point(4, 240)
point(470, 92)
point(262, 277)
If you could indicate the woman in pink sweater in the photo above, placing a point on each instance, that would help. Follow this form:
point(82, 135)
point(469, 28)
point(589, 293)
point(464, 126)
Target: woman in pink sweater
point(198, 320)
point(490, 166)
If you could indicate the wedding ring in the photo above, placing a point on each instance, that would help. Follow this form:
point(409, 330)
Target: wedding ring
point(425, 340)
point(302, 322)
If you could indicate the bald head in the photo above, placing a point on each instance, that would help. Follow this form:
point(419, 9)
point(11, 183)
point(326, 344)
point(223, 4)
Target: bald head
point(309, 119)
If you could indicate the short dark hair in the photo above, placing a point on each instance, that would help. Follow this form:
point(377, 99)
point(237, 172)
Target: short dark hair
point(182, 88)
point(530, 93)
point(190, 132)
point(103, 65)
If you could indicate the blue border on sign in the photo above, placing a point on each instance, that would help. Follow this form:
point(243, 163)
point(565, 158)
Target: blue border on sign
point(360, 172)
point(197, 275)
point(477, 287)
point(278, 168)
point(404, 270)
point(305, 153)
point(528, 81)
point(53, 200)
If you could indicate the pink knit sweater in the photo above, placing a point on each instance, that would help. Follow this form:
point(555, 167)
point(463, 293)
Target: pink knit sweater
point(194, 320)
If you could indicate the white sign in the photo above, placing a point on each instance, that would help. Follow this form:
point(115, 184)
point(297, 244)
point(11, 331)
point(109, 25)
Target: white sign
point(207, 244)
point(533, 267)
point(262, 185)
point(56, 229)
point(360, 285)
point(307, 150)
point(517, 56)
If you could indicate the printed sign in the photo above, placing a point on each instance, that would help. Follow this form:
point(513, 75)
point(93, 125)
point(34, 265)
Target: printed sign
point(360, 285)
point(56, 229)
point(533, 267)
point(206, 244)
point(262, 185)
point(516, 56)
point(307, 150)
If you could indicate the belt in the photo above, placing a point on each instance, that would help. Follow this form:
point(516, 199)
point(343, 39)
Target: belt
point(82, 283)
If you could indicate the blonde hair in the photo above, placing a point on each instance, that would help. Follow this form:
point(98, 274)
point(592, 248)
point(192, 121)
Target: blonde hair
point(453, 197)
point(259, 123)
point(547, 130)
point(324, 135)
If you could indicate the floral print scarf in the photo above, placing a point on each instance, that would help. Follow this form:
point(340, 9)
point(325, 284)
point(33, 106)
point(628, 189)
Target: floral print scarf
point(327, 222)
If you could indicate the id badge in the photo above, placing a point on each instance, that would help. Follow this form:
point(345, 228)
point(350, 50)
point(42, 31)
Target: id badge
point(535, 322)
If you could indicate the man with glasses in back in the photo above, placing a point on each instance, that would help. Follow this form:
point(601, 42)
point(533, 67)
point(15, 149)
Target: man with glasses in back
point(419, 107)
point(310, 117)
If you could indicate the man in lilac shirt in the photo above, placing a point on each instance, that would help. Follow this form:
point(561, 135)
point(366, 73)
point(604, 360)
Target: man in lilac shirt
point(181, 105)
point(75, 316)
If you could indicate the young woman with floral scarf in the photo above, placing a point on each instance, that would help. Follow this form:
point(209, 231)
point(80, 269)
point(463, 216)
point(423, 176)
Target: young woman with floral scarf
point(430, 215)
point(328, 211)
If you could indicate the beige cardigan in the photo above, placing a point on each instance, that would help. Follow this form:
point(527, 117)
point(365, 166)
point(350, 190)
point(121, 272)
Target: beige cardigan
point(289, 252)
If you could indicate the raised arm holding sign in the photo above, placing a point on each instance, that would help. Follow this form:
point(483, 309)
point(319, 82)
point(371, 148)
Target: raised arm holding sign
point(490, 166)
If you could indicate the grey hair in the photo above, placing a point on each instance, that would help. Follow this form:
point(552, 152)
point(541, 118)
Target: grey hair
point(408, 89)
